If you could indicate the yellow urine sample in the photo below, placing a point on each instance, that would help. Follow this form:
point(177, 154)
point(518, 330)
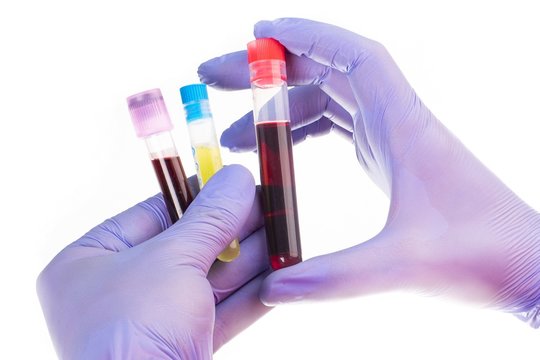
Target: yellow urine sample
point(208, 160)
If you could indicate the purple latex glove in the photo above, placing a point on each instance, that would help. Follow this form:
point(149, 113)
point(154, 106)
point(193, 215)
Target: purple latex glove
point(453, 227)
point(129, 289)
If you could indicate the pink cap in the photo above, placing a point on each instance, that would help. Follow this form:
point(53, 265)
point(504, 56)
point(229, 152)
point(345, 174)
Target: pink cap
point(149, 113)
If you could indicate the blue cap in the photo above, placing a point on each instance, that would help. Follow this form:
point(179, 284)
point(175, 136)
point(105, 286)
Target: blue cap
point(195, 100)
point(194, 92)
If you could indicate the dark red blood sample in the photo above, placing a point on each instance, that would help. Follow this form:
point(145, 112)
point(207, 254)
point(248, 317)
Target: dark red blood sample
point(173, 184)
point(279, 193)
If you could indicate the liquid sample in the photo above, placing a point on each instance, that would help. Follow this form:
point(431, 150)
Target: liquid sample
point(173, 184)
point(279, 193)
point(208, 161)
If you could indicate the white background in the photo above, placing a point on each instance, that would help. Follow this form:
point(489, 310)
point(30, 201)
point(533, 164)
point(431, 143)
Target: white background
point(70, 158)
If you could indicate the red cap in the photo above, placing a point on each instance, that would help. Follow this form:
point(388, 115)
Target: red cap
point(265, 49)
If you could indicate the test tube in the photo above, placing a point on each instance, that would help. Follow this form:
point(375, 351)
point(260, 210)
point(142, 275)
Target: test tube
point(266, 58)
point(152, 122)
point(204, 144)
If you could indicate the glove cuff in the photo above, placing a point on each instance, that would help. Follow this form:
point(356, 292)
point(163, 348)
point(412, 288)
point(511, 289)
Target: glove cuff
point(532, 317)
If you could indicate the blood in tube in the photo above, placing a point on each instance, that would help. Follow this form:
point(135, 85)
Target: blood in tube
point(152, 123)
point(173, 183)
point(268, 77)
point(279, 192)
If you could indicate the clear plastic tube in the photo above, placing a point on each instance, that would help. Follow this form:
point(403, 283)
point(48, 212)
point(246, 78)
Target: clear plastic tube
point(151, 121)
point(266, 59)
point(204, 145)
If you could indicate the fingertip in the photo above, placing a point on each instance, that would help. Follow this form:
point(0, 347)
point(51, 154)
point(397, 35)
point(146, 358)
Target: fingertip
point(266, 292)
point(236, 175)
point(226, 72)
point(230, 139)
point(232, 188)
point(269, 28)
point(262, 28)
point(240, 136)
point(227, 139)
point(318, 278)
point(204, 71)
point(281, 287)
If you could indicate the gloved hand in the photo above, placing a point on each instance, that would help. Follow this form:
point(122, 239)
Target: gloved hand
point(453, 227)
point(131, 288)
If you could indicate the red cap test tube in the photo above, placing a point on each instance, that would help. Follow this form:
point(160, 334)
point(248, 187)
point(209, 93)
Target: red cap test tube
point(268, 78)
